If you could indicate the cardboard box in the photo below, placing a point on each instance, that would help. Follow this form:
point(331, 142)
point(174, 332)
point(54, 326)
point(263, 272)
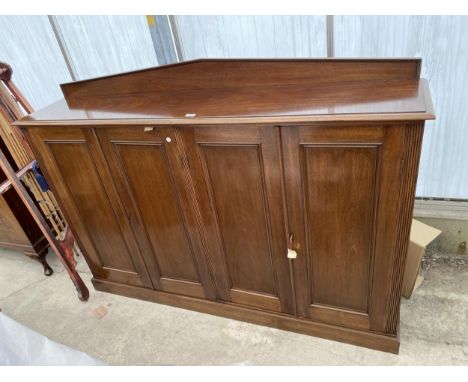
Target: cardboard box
point(421, 235)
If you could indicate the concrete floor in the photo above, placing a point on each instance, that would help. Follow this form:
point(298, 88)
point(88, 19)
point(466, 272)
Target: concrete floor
point(434, 324)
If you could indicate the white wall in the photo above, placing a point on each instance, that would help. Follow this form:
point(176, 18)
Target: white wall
point(101, 45)
point(29, 46)
point(442, 42)
point(252, 36)
point(98, 45)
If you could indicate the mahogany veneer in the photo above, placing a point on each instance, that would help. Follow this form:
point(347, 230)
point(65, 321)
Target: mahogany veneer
point(196, 185)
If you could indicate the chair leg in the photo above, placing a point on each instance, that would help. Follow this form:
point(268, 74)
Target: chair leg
point(41, 258)
point(48, 271)
point(66, 247)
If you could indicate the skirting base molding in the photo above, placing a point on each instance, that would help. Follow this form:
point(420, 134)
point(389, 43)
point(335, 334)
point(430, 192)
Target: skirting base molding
point(371, 340)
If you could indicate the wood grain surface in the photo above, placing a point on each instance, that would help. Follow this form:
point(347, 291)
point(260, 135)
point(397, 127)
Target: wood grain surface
point(221, 91)
point(299, 226)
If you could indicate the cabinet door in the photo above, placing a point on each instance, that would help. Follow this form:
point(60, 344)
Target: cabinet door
point(342, 189)
point(152, 179)
point(237, 173)
point(74, 165)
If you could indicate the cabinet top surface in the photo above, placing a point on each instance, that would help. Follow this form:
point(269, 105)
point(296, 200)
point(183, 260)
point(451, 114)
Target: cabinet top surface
point(241, 91)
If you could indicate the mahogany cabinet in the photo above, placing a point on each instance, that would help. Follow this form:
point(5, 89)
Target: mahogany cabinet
point(278, 192)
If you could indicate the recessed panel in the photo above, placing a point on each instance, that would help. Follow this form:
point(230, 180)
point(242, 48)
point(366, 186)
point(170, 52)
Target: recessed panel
point(86, 189)
point(340, 195)
point(236, 180)
point(152, 185)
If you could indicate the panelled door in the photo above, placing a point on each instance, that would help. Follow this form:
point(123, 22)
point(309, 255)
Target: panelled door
point(151, 175)
point(74, 163)
point(342, 188)
point(237, 175)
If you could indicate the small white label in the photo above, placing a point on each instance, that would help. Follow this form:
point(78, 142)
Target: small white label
point(190, 115)
point(168, 140)
point(291, 254)
point(148, 128)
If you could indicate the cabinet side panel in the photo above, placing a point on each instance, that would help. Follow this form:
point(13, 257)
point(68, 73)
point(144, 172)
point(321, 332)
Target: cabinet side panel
point(340, 183)
point(237, 185)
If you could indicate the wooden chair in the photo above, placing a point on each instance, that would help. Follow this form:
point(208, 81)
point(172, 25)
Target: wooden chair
point(48, 222)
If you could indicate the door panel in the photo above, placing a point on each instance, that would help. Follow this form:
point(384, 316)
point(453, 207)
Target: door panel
point(149, 174)
point(236, 185)
point(155, 196)
point(237, 171)
point(340, 184)
point(334, 178)
point(86, 195)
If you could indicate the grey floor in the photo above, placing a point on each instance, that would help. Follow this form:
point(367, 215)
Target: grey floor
point(123, 331)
